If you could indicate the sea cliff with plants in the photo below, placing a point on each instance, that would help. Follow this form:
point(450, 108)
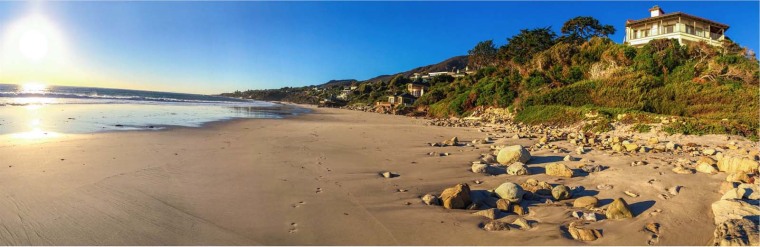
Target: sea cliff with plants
point(541, 77)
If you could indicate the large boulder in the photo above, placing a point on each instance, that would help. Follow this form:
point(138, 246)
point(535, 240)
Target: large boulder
point(733, 209)
point(559, 170)
point(585, 202)
point(517, 168)
point(734, 164)
point(618, 209)
point(457, 197)
point(509, 191)
point(511, 154)
point(561, 192)
point(737, 232)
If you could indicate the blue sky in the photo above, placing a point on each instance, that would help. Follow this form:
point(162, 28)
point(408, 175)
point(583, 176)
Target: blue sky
point(212, 47)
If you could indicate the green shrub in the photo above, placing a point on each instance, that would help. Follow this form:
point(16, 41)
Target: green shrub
point(642, 128)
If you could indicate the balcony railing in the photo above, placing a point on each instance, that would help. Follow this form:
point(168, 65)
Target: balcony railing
point(653, 33)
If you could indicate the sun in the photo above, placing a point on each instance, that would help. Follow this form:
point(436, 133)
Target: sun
point(32, 39)
point(33, 44)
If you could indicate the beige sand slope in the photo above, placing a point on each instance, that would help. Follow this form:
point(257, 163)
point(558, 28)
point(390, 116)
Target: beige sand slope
point(310, 180)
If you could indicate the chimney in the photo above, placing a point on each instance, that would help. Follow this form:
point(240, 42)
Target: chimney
point(656, 11)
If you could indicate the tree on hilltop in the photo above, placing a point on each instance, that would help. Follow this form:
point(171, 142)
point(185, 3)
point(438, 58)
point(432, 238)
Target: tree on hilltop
point(583, 28)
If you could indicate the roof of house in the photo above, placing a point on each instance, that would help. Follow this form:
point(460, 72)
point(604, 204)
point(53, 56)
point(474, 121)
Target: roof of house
point(714, 23)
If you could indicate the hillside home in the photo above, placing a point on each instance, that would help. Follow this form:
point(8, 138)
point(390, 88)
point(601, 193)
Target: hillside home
point(677, 25)
point(416, 89)
point(401, 99)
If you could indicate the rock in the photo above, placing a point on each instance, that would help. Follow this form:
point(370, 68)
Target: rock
point(488, 159)
point(631, 147)
point(653, 228)
point(558, 169)
point(591, 216)
point(511, 154)
point(682, 170)
point(583, 234)
point(516, 136)
point(735, 194)
point(675, 190)
point(707, 160)
point(671, 146)
point(522, 223)
point(503, 205)
point(430, 199)
point(617, 147)
point(457, 197)
point(483, 198)
point(752, 191)
point(479, 168)
point(518, 209)
point(618, 209)
point(706, 168)
point(709, 151)
point(490, 213)
point(737, 232)
point(653, 141)
point(738, 177)
point(604, 187)
point(452, 142)
point(580, 150)
point(733, 209)
point(561, 192)
point(631, 194)
point(496, 225)
point(517, 168)
point(589, 168)
point(588, 202)
point(509, 191)
point(577, 214)
point(568, 158)
point(725, 186)
point(389, 175)
point(537, 187)
point(733, 164)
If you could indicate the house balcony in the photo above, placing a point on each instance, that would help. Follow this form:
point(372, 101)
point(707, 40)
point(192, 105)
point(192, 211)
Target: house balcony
point(682, 37)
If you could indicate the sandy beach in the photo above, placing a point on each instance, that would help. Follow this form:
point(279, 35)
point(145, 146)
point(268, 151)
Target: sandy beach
point(312, 180)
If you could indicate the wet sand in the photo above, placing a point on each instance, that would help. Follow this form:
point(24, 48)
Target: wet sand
point(309, 180)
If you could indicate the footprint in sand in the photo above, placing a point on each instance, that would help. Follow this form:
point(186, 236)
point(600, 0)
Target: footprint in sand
point(319, 190)
point(293, 228)
point(295, 205)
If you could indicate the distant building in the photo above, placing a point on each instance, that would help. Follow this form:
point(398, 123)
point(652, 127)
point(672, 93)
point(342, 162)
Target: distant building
point(416, 89)
point(345, 93)
point(401, 99)
point(677, 25)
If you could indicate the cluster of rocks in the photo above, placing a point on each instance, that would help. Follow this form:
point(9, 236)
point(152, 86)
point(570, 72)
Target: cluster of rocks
point(738, 211)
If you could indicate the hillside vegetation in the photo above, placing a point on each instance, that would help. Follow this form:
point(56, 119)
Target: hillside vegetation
point(556, 79)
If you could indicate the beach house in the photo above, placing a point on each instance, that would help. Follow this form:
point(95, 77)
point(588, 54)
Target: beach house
point(416, 89)
point(677, 25)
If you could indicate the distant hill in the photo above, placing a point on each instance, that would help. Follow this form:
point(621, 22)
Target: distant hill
point(454, 63)
point(340, 83)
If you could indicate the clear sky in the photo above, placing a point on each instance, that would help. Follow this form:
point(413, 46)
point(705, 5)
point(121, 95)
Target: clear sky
point(213, 47)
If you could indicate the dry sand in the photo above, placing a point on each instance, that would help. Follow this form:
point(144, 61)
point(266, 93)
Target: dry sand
point(308, 180)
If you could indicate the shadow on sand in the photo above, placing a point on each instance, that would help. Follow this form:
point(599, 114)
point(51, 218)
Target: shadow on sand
point(639, 207)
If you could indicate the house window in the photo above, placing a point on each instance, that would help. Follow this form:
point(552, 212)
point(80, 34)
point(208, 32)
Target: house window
point(700, 32)
point(689, 29)
point(670, 28)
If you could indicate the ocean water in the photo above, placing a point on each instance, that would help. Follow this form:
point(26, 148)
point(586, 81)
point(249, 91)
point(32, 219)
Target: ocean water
point(38, 111)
